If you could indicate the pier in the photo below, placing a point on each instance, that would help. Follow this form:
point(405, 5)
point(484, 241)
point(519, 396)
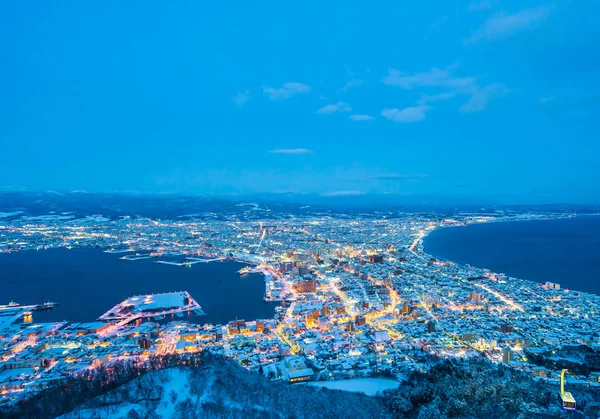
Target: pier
point(151, 306)
point(13, 312)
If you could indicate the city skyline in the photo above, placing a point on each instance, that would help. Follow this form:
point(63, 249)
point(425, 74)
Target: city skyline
point(486, 100)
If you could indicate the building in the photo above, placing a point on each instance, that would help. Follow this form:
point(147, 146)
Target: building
point(145, 343)
point(375, 259)
point(286, 266)
point(475, 297)
point(307, 286)
point(507, 356)
point(296, 369)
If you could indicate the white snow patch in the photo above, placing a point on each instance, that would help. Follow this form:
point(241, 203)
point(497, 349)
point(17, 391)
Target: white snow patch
point(49, 218)
point(368, 386)
point(178, 382)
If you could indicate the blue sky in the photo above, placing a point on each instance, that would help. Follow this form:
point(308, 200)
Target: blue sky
point(476, 100)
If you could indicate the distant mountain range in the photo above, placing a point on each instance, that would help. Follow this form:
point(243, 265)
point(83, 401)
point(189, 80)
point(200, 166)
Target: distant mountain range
point(79, 203)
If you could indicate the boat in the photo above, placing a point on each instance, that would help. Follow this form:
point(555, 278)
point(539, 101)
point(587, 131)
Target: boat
point(48, 305)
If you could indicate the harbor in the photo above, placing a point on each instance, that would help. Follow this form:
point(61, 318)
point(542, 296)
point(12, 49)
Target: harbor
point(87, 282)
point(14, 312)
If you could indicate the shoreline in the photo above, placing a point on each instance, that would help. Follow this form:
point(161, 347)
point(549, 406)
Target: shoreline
point(421, 248)
point(49, 255)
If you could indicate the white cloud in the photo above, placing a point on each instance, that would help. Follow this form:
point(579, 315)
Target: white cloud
point(412, 114)
point(335, 107)
point(451, 85)
point(242, 97)
point(504, 25)
point(286, 91)
point(343, 193)
point(425, 99)
point(358, 117)
point(480, 98)
point(351, 84)
point(399, 177)
point(291, 151)
point(433, 78)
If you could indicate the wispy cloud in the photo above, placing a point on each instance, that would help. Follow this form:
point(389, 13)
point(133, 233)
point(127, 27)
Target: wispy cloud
point(451, 85)
point(399, 177)
point(335, 107)
point(359, 117)
point(350, 84)
point(478, 6)
point(406, 115)
point(505, 25)
point(433, 78)
point(439, 23)
point(425, 99)
point(481, 97)
point(242, 97)
point(343, 193)
point(286, 91)
point(393, 177)
point(291, 151)
point(546, 99)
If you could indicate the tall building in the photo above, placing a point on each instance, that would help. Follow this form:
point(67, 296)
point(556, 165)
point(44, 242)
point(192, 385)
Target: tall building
point(507, 356)
point(475, 297)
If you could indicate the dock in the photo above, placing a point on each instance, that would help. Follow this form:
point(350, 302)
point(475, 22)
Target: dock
point(149, 306)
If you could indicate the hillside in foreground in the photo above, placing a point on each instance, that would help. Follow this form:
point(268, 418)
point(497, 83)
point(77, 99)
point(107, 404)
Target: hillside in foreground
point(214, 387)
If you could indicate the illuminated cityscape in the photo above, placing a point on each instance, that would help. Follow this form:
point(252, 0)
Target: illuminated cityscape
point(356, 296)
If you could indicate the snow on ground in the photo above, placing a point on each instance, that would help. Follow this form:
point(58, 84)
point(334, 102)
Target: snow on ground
point(368, 386)
point(90, 219)
point(49, 218)
point(174, 380)
point(179, 383)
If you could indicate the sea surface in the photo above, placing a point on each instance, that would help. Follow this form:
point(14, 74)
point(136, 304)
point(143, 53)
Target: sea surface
point(88, 282)
point(565, 251)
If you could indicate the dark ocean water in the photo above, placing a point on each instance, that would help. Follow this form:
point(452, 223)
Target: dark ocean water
point(88, 282)
point(565, 251)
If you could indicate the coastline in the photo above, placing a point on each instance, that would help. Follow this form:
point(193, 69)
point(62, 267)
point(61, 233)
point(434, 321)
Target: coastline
point(424, 252)
point(27, 279)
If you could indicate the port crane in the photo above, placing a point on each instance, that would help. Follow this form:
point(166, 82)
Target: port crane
point(568, 401)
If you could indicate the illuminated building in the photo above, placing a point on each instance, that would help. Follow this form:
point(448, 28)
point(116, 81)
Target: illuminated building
point(376, 259)
point(307, 285)
point(507, 356)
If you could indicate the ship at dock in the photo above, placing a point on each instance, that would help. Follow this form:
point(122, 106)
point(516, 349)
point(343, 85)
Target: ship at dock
point(245, 270)
point(48, 305)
